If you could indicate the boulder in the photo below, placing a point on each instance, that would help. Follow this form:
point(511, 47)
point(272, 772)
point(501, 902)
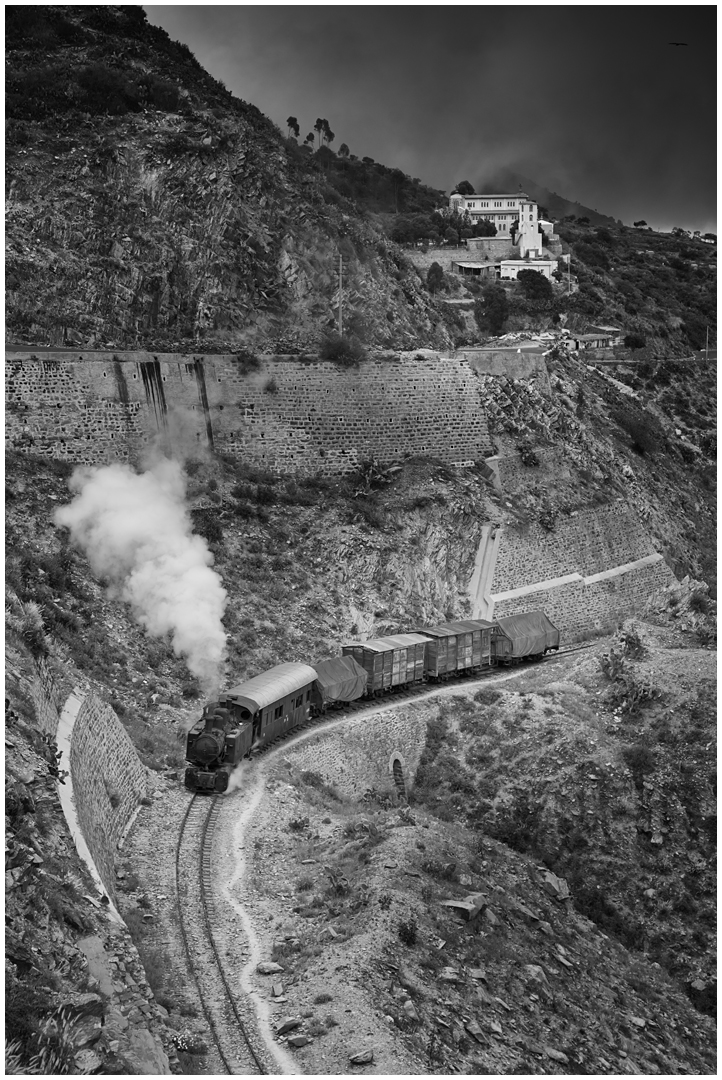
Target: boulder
point(268, 967)
point(449, 974)
point(410, 1010)
point(364, 1058)
point(298, 1040)
point(476, 1033)
point(469, 907)
point(289, 1024)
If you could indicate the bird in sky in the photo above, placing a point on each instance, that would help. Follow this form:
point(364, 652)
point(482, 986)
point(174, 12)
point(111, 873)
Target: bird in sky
point(678, 43)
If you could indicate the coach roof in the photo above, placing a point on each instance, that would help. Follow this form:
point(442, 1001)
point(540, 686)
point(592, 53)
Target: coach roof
point(271, 686)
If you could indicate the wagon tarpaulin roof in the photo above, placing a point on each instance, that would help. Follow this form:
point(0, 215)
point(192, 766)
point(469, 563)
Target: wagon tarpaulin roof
point(272, 685)
point(340, 679)
point(531, 632)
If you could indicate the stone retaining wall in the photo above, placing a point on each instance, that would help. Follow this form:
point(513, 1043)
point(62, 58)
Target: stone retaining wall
point(594, 540)
point(108, 782)
point(280, 413)
point(359, 755)
point(576, 607)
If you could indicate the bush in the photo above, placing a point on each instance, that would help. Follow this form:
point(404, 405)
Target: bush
point(246, 362)
point(635, 341)
point(642, 429)
point(346, 351)
point(105, 90)
point(207, 525)
point(699, 602)
point(640, 760)
point(408, 931)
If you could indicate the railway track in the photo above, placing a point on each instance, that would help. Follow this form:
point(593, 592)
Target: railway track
point(237, 1045)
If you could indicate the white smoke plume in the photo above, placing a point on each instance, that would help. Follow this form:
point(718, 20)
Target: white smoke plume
point(137, 533)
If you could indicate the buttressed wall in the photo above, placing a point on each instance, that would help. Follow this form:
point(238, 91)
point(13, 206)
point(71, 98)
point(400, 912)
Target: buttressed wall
point(285, 414)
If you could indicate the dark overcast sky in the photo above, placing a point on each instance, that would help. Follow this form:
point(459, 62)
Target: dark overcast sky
point(590, 101)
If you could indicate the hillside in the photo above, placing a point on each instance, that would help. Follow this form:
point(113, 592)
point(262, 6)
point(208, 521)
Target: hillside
point(148, 208)
point(115, 137)
point(557, 206)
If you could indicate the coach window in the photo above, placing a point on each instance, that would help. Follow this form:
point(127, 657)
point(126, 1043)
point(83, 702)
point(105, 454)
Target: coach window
point(299, 701)
point(278, 713)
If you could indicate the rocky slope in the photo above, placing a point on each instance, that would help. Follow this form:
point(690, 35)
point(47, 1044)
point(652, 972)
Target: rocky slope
point(116, 138)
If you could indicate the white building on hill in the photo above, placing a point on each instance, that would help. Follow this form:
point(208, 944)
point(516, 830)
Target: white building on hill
point(502, 211)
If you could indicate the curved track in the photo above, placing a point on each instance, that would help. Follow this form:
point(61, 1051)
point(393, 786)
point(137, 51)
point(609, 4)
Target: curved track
point(232, 1032)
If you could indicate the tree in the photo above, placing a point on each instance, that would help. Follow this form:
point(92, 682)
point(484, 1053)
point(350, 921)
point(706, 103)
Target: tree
point(535, 285)
point(343, 150)
point(435, 278)
point(451, 235)
point(319, 127)
point(640, 224)
point(635, 341)
point(293, 127)
point(464, 188)
point(328, 135)
point(310, 139)
point(491, 310)
point(482, 227)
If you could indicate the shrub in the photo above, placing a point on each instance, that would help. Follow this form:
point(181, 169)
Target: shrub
point(699, 602)
point(298, 825)
point(207, 525)
point(270, 386)
point(526, 453)
point(640, 759)
point(635, 341)
point(408, 931)
point(642, 429)
point(345, 351)
point(246, 362)
point(105, 90)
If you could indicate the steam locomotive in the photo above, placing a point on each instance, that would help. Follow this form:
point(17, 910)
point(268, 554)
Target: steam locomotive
point(254, 713)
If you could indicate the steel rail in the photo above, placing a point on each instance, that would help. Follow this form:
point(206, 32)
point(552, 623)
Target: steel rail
point(212, 810)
